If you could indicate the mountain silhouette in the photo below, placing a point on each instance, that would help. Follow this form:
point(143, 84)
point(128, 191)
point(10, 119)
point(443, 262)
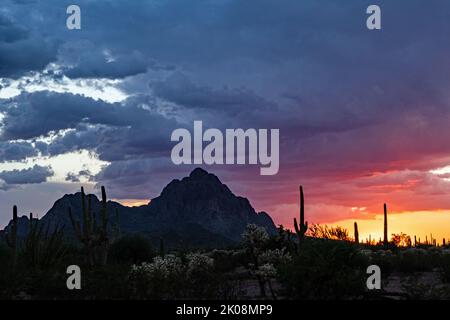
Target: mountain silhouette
point(198, 210)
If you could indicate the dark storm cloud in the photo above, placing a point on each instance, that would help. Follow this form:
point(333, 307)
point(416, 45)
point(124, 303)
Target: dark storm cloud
point(178, 88)
point(115, 131)
point(16, 151)
point(9, 32)
point(36, 174)
point(34, 114)
point(348, 101)
point(95, 64)
point(21, 50)
point(139, 178)
point(325, 70)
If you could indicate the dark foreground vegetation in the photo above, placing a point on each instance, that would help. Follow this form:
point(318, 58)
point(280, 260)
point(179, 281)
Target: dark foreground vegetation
point(315, 262)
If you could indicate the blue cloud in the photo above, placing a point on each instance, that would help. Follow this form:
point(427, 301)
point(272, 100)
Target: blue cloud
point(35, 174)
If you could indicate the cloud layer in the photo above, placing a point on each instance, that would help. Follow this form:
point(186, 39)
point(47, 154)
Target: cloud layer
point(36, 174)
point(363, 116)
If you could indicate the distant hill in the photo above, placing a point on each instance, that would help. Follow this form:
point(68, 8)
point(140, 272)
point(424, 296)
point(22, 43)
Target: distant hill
point(197, 210)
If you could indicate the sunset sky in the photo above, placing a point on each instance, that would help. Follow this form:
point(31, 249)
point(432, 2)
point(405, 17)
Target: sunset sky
point(364, 116)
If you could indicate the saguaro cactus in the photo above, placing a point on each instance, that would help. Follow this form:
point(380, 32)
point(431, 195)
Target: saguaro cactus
point(303, 227)
point(356, 232)
point(11, 237)
point(103, 231)
point(84, 234)
point(385, 240)
point(93, 236)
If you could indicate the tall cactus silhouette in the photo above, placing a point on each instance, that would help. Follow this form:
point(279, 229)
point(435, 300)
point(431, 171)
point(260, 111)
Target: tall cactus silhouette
point(385, 240)
point(11, 237)
point(93, 235)
point(356, 232)
point(103, 231)
point(301, 228)
point(84, 234)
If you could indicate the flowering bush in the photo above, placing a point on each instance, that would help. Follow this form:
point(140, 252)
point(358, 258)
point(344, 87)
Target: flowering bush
point(158, 279)
point(255, 239)
point(172, 277)
point(254, 236)
point(198, 264)
point(266, 271)
point(201, 280)
point(275, 257)
point(164, 267)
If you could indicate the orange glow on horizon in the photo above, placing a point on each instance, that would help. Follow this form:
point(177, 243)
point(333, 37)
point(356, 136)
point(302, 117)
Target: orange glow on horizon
point(132, 202)
point(421, 224)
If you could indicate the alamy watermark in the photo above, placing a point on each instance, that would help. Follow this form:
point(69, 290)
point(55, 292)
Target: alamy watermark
point(74, 280)
point(73, 21)
point(236, 146)
point(374, 280)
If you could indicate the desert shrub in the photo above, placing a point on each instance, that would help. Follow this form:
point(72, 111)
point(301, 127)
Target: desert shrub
point(255, 240)
point(5, 256)
point(275, 257)
point(229, 288)
point(106, 282)
point(415, 289)
point(161, 279)
point(43, 250)
point(189, 276)
point(131, 249)
point(200, 276)
point(415, 260)
point(254, 237)
point(283, 239)
point(326, 232)
point(325, 269)
point(401, 240)
point(445, 268)
point(42, 284)
point(385, 259)
point(228, 260)
point(5, 267)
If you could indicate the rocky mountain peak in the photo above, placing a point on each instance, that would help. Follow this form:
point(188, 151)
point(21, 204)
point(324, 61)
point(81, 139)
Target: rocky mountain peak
point(199, 202)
